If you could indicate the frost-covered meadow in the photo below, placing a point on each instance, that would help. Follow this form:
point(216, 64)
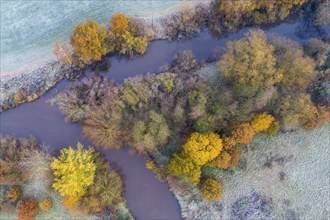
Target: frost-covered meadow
point(281, 177)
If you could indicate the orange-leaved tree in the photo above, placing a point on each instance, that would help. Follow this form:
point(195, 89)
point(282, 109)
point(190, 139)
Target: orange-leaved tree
point(243, 133)
point(119, 23)
point(87, 41)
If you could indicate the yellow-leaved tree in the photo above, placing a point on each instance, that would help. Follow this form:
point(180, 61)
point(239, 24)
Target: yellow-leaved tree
point(261, 122)
point(202, 148)
point(73, 171)
point(87, 41)
point(185, 168)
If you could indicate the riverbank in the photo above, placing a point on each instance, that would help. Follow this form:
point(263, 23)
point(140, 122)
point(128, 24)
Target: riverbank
point(29, 83)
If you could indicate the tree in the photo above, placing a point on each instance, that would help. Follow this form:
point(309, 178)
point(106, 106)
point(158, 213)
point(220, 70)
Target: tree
point(298, 70)
point(73, 171)
point(261, 122)
point(227, 158)
point(119, 23)
point(318, 119)
point(104, 125)
point(87, 41)
point(250, 61)
point(27, 209)
point(131, 45)
point(298, 109)
point(151, 133)
point(105, 192)
point(211, 190)
point(202, 148)
point(243, 133)
point(186, 168)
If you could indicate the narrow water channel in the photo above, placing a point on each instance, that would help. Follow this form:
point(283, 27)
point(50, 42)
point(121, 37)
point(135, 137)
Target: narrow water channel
point(146, 197)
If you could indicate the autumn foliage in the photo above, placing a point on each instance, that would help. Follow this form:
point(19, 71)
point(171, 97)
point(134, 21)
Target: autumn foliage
point(45, 204)
point(14, 193)
point(186, 168)
point(211, 190)
point(119, 23)
point(243, 133)
point(27, 209)
point(87, 41)
point(73, 171)
point(202, 148)
point(261, 122)
point(250, 61)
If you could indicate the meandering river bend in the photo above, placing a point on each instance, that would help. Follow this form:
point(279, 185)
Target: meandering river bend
point(146, 197)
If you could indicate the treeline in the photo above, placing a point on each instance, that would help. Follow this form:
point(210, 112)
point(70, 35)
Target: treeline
point(183, 119)
point(78, 180)
point(91, 41)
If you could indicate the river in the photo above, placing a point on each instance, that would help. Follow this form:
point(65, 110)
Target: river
point(146, 197)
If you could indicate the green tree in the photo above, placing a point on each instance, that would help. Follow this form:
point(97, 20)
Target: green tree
point(202, 148)
point(250, 62)
point(73, 171)
point(151, 133)
point(87, 41)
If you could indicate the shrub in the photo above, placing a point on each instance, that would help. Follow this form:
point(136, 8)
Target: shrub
point(243, 133)
point(70, 201)
point(74, 171)
point(14, 193)
point(19, 97)
point(184, 168)
point(27, 209)
point(184, 62)
point(87, 41)
point(261, 122)
point(250, 62)
point(211, 190)
point(273, 128)
point(202, 148)
point(45, 204)
point(123, 212)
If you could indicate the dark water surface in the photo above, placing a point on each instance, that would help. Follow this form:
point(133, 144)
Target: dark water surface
point(146, 197)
